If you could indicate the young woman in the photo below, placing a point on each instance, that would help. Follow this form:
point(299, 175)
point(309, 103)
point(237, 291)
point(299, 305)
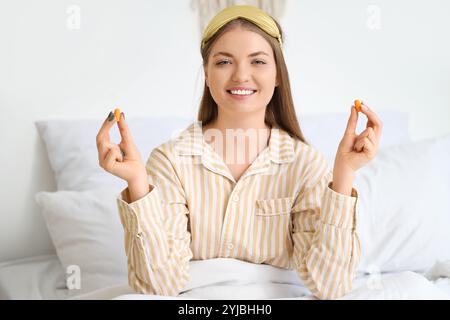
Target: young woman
point(278, 204)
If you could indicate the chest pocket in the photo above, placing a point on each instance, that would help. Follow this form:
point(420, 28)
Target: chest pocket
point(272, 227)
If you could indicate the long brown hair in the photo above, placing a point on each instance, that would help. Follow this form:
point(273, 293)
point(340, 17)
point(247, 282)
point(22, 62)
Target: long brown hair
point(280, 112)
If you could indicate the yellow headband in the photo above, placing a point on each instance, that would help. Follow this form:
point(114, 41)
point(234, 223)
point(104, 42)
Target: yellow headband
point(250, 13)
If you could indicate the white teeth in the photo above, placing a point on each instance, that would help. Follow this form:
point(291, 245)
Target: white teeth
point(242, 92)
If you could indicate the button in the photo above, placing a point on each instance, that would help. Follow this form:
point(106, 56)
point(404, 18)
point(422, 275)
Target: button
point(235, 198)
point(230, 246)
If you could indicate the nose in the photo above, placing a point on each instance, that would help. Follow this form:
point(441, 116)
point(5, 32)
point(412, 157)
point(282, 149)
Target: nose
point(241, 73)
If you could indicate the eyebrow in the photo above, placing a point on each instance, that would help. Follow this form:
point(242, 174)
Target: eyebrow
point(254, 54)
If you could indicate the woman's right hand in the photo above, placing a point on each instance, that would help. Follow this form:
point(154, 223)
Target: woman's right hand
point(122, 160)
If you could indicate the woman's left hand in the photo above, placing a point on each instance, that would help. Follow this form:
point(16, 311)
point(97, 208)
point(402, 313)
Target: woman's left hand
point(355, 151)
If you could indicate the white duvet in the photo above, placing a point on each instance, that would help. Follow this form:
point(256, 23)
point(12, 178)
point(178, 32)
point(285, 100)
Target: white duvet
point(234, 279)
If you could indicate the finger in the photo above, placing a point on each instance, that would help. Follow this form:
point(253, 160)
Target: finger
point(372, 137)
point(374, 120)
point(359, 145)
point(369, 148)
point(103, 147)
point(352, 122)
point(117, 151)
point(112, 157)
point(103, 133)
point(124, 131)
point(368, 133)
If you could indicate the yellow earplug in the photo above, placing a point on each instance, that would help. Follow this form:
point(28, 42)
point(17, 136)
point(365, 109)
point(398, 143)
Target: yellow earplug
point(117, 114)
point(358, 105)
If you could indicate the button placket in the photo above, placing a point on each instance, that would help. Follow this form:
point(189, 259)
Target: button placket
point(235, 194)
point(227, 245)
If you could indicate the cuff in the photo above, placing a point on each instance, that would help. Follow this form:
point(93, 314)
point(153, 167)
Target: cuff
point(338, 209)
point(146, 208)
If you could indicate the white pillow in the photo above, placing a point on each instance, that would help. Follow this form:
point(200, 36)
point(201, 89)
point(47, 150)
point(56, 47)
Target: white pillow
point(86, 231)
point(404, 207)
point(73, 153)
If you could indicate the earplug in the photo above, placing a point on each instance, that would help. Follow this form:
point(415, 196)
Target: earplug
point(358, 105)
point(117, 114)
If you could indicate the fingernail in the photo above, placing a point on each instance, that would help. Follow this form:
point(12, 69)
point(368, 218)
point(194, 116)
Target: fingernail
point(110, 116)
point(123, 114)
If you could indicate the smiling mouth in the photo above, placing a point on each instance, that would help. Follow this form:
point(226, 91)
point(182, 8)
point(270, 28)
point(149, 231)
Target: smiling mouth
point(241, 92)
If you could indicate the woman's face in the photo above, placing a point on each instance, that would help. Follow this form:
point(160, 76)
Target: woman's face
point(239, 60)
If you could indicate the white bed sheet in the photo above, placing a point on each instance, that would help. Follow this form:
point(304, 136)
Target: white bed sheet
point(34, 278)
point(43, 277)
point(233, 279)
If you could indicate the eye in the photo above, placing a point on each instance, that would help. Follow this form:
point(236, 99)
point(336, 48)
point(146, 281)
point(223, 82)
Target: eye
point(259, 62)
point(222, 62)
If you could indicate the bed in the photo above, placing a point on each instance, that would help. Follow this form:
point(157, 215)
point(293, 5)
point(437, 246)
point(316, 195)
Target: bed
point(403, 222)
point(43, 277)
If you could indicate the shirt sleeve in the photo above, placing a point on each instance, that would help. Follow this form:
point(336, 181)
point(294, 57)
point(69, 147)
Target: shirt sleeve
point(157, 240)
point(326, 245)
